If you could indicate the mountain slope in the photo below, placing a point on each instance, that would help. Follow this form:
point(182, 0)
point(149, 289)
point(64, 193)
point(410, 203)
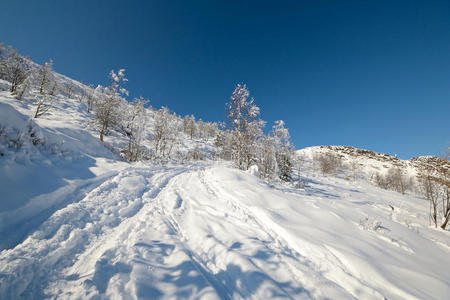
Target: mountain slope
point(77, 221)
point(209, 231)
point(369, 163)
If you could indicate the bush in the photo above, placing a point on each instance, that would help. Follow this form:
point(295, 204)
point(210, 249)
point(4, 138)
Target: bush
point(371, 224)
point(28, 142)
point(329, 163)
point(393, 180)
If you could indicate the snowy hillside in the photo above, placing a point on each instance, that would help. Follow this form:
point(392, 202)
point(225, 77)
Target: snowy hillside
point(77, 221)
point(366, 164)
point(210, 231)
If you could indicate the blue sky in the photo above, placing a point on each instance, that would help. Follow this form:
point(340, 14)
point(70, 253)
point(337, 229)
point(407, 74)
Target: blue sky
point(371, 74)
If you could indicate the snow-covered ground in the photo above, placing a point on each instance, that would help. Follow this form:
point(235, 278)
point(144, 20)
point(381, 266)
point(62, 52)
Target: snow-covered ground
point(76, 222)
point(208, 230)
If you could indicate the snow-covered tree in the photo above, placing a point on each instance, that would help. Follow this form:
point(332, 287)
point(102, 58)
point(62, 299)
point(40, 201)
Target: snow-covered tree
point(14, 68)
point(165, 132)
point(245, 126)
point(212, 129)
point(44, 78)
point(23, 89)
point(267, 163)
point(89, 96)
point(106, 109)
point(435, 186)
point(202, 129)
point(136, 120)
point(223, 141)
point(189, 126)
point(69, 90)
point(251, 137)
point(283, 150)
point(43, 104)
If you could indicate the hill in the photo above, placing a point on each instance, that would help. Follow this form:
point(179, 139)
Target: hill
point(77, 220)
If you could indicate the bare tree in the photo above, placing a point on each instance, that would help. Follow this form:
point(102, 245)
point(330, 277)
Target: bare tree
point(22, 90)
point(189, 126)
point(136, 122)
point(195, 154)
point(329, 162)
point(396, 180)
point(392, 180)
point(431, 192)
point(223, 141)
point(106, 111)
point(165, 132)
point(299, 161)
point(435, 187)
point(44, 77)
point(380, 181)
point(89, 94)
point(14, 68)
point(354, 167)
point(446, 203)
point(43, 104)
point(267, 162)
point(69, 90)
point(202, 129)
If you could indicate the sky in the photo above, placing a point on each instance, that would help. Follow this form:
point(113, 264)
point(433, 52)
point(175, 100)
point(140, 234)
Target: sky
point(370, 74)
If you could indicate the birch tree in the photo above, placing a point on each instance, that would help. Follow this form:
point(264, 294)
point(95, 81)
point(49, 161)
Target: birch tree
point(166, 132)
point(190, 128)
point(109, 98)
point(136, 120)
point(14, 68)
point(44, 78)
point(245, 126)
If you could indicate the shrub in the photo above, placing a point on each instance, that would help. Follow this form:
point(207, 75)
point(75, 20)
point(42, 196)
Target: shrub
point(329, 163)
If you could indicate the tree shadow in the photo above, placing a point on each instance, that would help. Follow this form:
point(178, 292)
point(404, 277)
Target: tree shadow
point(191, 277)
point(45, 179)
point(105, 271)
point(50, 191)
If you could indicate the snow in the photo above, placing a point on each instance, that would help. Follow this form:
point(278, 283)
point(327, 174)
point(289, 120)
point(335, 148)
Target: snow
point(79, 223)
point(210, 231)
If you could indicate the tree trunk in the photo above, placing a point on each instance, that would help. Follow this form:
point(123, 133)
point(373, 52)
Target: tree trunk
point(130, 152)
point(444, 225)
point(102, 132)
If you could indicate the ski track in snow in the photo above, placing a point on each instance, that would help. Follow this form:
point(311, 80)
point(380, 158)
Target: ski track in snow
point(187, 232)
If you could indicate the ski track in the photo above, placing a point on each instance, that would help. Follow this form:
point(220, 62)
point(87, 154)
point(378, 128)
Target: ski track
point(175, 232)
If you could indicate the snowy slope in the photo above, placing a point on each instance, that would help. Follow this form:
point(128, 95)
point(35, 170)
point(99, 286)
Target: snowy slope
point(368, 163)
point(37, 179)
point(39, 174)
point(77, 222)
point(210, 231)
